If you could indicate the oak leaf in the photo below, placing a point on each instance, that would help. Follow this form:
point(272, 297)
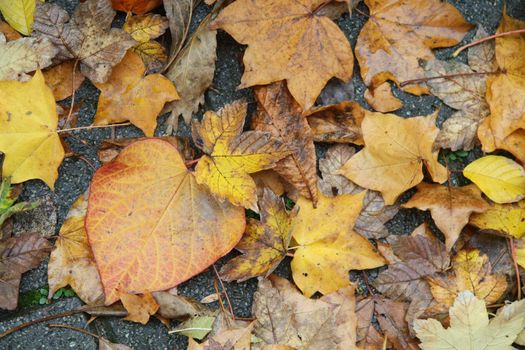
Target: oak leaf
point(333, 184)
point(28, 135)
point(266, 28)
point(139, 7)
point(231, 155)
point(24, 55)
point(18, 255)
point(71, 262)
point(337, 123)
point(508, 219)
point(139, 308)
point(394, 154)
point(328, 249)
point(286, 317)
point(498, 177)
point(399, 33)
point(19, 14)
point(470, 327)
point(265, 243)
point(62, 80)
point(86, 37)
point(279, 114)
point(471, 271)
point(450, 207)
point(130, 95)
point(159, 226)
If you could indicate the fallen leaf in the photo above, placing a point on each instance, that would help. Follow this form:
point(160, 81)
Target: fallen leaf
point(28, 135)
point(228, 339)
point(337, 123)
point(8, 197)
point(450, 207)
point(104, 344)
point(470, 327)
point(71, 262)
point(499, 178)
point(87, 37)
point(391, 317)
point(231, 155)
point(62, 81)
point(400, 33)
point(471, 271)
point(265, 27)
point(394, 154)
point(367, 336)
point(269, 179)
point(179, 307)
point(328, 249)
point(18, 255)
point(162, 229)
point(24, 55)
point(371, 222)
point(192, 72)
point(508, 219)
point(286, 317)
point(180, 13)
point(153, 54)
point(265, 243)
point(513, 143)
point(19, 14)
point(130, 95)
point(195, 328)
point(279, 114)
point(333, 184)
point(139, 7)
point(8, 31)
point(458, 132)
point(382, 99)
point(482, 57)
point(139, 308)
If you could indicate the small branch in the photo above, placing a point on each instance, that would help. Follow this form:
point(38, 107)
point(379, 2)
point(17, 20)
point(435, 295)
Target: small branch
point(74, 329)
point(361, 12)
point(72, 94)
point(224, 291)
point(191, 162)
point(487, 38)
point(449, 76)
point(40, 320)
point(92, 127)
point(513, 255)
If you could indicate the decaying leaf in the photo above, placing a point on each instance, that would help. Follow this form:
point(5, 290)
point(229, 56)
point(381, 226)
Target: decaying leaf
point(104, 344)
point(367, 335)
point(281, 116)
point(328, 249)
point(458, 132)
point(382, 99)
point(19, 14)
point(471, 271)
point(139, 7)
point(228, 339)
point(498, 177)
point(24, 55)
point(192, 72)
point(333, 184)
point(470, 327)
point(394, 154)
point(28, 135)
point(508, 219)
point(18, 255)
point(8, 197)
point(337, 123)
point(286, 317)
point(71, 262)
point(139, 308)
point(130, 95)
point(161, 227)
point(371, 221)
point(400, 33)
point(62, 81)
point(266, 26)
point(450, 207)
point(265, 242)
point(231, 155)
point(179, 307)
point(86, 37)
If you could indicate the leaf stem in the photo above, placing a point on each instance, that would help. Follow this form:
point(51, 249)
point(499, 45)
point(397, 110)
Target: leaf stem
point(224, 291)
point(73, 94)
point(74, 329)
point(487, 38)
point(448, 76)
point(513, 255)
point(92, 127)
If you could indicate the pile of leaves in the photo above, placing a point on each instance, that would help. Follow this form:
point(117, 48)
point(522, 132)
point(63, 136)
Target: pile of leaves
point(161, 210)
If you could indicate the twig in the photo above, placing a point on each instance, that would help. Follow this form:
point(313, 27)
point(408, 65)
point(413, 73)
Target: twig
point(487, 38)
point(224, 291)
point(191, 162)
point(92, 127)
point(448, 76)
point(361, 12)
point(365, 279)
point(513, 255)
point(72, 94)
point(74, 329)
point(40, 320)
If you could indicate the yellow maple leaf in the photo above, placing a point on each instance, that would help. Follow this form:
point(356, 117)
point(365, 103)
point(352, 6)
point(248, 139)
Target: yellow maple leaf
point(28, 131)
point(328, 247)
point(503, 218)
point(394, 154)
point(232, 155)
point(129, 95)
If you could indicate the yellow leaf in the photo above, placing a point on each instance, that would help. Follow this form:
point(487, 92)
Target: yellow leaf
point(328, 245)
point(500, 178)
point(152, 54)
point(146, 27)
point(28, 131)
point(129, 95)
point(19, 14)
point(230, 155)
point(504, 218)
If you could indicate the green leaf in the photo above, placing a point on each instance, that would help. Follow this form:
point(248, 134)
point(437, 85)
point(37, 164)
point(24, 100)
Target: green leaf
point(196, 328)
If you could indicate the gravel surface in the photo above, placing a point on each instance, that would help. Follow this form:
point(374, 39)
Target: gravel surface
point(75, 177)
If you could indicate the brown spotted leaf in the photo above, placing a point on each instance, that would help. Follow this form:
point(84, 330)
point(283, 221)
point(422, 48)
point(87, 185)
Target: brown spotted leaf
point(337, 123)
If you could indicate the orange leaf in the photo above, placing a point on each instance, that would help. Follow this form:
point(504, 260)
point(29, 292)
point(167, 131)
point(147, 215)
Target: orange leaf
point(139, 308)
point(129, 95)
point(150, 225)
point(61, 81)
point(138, 7)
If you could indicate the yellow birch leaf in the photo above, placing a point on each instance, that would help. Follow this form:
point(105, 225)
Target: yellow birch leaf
point(503, 218)
point(28, 131)
point(500, 178)
point(20, 14)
